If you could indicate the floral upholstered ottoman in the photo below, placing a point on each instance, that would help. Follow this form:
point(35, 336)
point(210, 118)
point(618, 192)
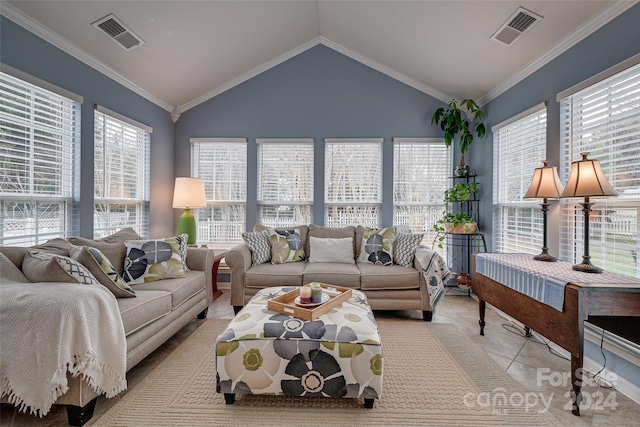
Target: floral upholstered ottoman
point(337, 355)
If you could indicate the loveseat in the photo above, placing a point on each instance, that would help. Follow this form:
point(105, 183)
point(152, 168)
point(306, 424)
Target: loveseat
point(388, 265)
point(139, 322)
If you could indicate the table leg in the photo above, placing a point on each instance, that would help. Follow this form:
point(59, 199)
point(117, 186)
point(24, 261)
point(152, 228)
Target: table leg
point(576, 383)
point(481, 308)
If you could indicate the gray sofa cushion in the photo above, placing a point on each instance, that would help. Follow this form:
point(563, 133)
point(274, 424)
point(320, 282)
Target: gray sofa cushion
point(111, 246)
point(379, 277)
point(268, 275)
point(332, 273)
point(147, 307)
point(181, 289)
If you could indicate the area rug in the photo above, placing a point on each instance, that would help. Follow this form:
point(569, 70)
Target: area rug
point(433, 375)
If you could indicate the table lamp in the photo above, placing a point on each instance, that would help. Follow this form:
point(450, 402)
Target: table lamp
point(545, 185)
point(586, 179)
point(188, 193)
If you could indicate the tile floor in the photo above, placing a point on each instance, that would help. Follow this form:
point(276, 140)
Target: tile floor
point(520, 357)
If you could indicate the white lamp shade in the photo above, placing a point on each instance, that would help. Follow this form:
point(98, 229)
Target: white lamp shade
point(545, 184)
point(587, 179)
point(189, 193)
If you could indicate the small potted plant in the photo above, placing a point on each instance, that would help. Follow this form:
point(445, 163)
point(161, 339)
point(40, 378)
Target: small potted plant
point(461, 192)
point(456, 122)
point(455, 223)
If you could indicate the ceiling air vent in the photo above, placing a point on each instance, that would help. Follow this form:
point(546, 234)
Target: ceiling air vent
point(118, 32)
point(517, 24)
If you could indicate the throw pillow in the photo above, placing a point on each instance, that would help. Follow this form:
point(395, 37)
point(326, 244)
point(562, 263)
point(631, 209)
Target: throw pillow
point(47, 267)
point(286, 246)
point(377, 246)
point(259, 245)
point(100, 266)
point(151, 260)
point(111, 246)
point(331, 250)
point(9, 272)
point(404, 248)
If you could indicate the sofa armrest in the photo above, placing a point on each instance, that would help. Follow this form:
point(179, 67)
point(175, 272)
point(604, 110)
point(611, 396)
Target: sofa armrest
point(201, 259)
point(238, 258)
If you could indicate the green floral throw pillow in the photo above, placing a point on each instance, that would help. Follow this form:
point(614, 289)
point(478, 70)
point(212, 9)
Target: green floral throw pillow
point(100, 266)
point(377, 246)
point(286, 246)
point(151, 260)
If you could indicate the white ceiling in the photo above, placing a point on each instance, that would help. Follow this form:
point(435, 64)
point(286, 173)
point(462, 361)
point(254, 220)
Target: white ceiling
point(195, 50)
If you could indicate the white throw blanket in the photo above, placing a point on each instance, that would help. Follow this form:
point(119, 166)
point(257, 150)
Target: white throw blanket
point(435, 271)
point(50, 329)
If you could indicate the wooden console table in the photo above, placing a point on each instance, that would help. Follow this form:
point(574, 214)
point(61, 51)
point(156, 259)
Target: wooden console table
point(585, 295)
point(214, 273)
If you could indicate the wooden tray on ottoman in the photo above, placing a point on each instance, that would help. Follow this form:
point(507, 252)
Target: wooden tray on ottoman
point(285, 303)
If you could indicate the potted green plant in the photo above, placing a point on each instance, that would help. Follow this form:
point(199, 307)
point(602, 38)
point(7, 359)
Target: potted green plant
point(455, 223)
point(460, 121)
point(461, 192)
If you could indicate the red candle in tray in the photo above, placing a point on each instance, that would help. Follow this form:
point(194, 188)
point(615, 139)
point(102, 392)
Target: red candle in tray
point(305, 295)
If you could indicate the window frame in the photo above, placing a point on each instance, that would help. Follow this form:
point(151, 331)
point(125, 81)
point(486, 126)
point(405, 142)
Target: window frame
point(350, 211)
point(50, 128)
point(523, 217)
point(111, 131)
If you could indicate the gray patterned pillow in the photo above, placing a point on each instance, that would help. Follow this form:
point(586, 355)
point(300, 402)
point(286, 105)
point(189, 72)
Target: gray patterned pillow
point(47, 267)
point(151, 260)
point(259, 245)
point(404, 248)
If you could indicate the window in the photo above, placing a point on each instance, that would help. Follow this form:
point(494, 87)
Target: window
point(285, 181)
point(222, 164)
point(603, 119)
point(353, 182)
point(39, 137)
point(519, 146)
point(121, 174)
point(421, 170)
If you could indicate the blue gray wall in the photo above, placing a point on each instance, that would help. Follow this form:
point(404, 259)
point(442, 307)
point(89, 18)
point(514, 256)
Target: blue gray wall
point(613, 43)
point(318, 94)
point(27, 52)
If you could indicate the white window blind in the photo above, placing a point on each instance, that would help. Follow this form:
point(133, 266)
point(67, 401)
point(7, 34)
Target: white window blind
point(519, 146)
point(222, 164)
point(421, 170)
point(39, 139)
point(121, 175)
point(604, 120)
point(353, 181)
point(285, 181)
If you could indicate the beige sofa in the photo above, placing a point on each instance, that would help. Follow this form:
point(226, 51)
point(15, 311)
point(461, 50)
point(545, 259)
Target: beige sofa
point(386, 287)
point(158, 311)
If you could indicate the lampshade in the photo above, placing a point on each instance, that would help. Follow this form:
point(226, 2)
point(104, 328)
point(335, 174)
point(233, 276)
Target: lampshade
point(189, 193)
point(545, 184)
point(586, 179)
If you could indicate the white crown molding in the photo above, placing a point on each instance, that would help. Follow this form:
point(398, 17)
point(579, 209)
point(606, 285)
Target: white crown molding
point(596, 22)
point(304, 47)
point(249, 75)
point(386, 70)
point(45, 33)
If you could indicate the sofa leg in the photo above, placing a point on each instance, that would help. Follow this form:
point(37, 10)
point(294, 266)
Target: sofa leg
point(237, 308)
point(229, 398)
point(203, 313)
point(368, 403)
point(427, 316)
point(79, 415)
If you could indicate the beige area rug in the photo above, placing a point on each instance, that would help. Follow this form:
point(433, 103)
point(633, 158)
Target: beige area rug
point(433, 375)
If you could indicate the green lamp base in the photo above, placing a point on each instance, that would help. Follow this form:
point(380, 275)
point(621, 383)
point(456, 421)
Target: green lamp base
point(187, 224)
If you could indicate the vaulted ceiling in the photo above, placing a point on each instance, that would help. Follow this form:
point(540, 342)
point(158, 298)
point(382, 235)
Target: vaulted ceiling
point(194, 50)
